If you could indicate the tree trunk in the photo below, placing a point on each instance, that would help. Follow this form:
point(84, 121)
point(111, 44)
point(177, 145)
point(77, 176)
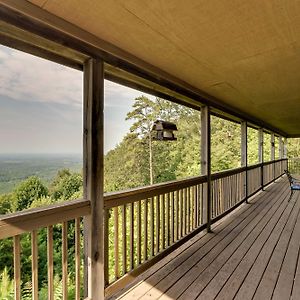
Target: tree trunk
point(150, 159)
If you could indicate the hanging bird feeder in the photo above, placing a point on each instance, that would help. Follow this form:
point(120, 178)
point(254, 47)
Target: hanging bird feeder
point(164, 130)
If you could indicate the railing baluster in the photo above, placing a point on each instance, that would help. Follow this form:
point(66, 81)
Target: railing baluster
point(183, 208)
point(106, 217)
point(50, 262)
point(177, 216)
point(124, 248)
point(187, 211)
point(192, 204)
point(219, 200)
point(145, 229)
point(152, 227)
point(163, 224)
point(17, 267)
point(131, 236)
point(189, 214)
point(168, 220)
point(116, 241)
point(138, 241)
point(172, 218)
point(195, 206)
point(77, 258)
point(157, 225)
point(65, 260)
point(34, 264)
point(181, 213)
point(213, 199)
point(222, 193)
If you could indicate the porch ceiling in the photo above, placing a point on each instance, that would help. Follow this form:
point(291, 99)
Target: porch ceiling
point(245, 53)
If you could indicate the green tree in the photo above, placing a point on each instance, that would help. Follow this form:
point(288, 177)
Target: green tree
point(144, 113)
point(252, 150)
point(293, 147)
point(6, 203)
point(225, 144)
point(28, 191)
point(65, 185)
point(126, 166)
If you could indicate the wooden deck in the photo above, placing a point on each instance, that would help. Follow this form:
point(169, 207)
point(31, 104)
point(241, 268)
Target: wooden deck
point(252, 254)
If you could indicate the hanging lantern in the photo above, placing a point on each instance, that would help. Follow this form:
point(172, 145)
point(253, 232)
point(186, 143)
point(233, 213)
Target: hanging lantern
point(164, 130)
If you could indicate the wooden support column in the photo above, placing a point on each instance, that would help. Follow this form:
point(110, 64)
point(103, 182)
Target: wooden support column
point(93, 176)
point(280, 154)
point(261, 154)
point(273, 153)
point(206, 162)
point(244, 156)
point(272, 146)
point(285, 150)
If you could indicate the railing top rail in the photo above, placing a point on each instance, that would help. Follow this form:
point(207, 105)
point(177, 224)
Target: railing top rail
point(31, 219)
point(227, 173)
point(274, 161)
point(113, 199)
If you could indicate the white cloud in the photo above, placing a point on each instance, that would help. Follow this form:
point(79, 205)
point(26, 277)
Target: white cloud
point(24, 77)
point(117, 95)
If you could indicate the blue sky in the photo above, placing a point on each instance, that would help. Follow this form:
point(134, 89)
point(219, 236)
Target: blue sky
point(41, 106)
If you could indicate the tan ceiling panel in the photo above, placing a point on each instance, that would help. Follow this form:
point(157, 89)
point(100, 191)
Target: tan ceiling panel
point(245, 53)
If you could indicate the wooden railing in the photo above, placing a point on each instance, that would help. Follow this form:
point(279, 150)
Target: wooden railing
point(142, 225)
point(147, 223)
point(254, 179)
point(144, 222)
point(228, 189)
point(45, 221)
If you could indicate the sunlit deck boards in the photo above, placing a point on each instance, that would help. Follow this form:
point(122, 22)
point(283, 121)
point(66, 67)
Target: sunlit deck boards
point(251, 254)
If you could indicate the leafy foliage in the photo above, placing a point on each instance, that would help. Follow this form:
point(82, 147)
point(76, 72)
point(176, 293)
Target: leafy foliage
point(6, 286)
point(28, 191)
point(65, 185)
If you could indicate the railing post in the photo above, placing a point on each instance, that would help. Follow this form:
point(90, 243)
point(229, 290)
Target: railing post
point(206, 162)
point(244, 156)
point(261, 154)
point(285, 152)
point(280, 147)
point(281, 152)
point(285, 148)
point(273, 152)
point(93, 177)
